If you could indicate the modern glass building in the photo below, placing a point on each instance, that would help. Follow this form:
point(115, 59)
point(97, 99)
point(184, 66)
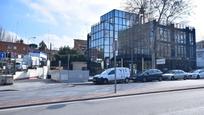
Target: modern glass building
point(175, 45)
point(101, 37)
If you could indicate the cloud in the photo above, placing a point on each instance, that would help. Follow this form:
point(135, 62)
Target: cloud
point(69, 10)
point(41, 13)
point(73, 18)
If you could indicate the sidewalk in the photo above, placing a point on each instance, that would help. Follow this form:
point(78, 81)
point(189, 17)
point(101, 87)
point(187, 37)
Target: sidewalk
point(5, 104)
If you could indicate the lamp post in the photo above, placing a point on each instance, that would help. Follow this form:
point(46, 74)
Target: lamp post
point(115, 82)
point(68, 58)
point(114, 52)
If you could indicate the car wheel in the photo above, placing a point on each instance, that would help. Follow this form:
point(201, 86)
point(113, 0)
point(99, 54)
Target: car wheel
point(172, 78)
point(160, 78)
point(144, 79)
point(198, 77)
point(185, 77)
point(126, 80)
point(105, 81)
point(95, 83)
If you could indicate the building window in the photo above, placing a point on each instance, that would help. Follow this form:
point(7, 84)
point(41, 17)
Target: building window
point(191, 39)
point(14, 47)
point(9, 47)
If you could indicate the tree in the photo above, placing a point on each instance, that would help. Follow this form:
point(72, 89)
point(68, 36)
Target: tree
point(42, 46)
point(20, 41)
point(160, 10)
point(33, 46)
point(63, 54)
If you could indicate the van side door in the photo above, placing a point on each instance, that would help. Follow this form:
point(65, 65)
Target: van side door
point(119, 74)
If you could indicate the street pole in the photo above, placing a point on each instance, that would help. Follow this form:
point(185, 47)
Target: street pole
point(121, 62)
point(142, 63)
point(60, 70)
point(131, 51)
point(153, 44)
point(115, 82)
point(68, 58)
point(114, 51)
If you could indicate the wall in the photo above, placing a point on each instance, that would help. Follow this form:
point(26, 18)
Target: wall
point(71, 76)
point(200, 58)
point(79, 65)
point(32, 73)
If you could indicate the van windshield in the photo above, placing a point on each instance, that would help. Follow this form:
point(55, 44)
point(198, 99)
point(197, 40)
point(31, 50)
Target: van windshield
point(106, 71)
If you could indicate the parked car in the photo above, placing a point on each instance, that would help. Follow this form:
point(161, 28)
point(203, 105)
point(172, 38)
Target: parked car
point(107, 76)
point(196, 74)
point(175, 74)
point(20, 66)
point(149, 75)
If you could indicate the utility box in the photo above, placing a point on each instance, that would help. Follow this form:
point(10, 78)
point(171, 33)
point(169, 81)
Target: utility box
point(6, 79)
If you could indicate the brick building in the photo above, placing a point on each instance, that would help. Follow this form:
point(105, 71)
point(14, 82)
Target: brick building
point(14, 48)
point(200, 44)
point(80, 45)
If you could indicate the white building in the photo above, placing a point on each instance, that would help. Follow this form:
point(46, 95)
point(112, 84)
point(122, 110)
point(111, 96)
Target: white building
point(34, 58)
point(200, 58)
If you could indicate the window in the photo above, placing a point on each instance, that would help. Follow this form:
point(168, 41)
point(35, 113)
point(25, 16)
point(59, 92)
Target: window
point(116, 20)
point(116, 13)
point(14, 47)
point(191, 39)
point(111, 72)
point(120, 21)
point(9, 47)
point(120, 14)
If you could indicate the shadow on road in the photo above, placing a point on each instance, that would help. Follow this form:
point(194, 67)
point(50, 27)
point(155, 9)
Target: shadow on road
point(59, 106)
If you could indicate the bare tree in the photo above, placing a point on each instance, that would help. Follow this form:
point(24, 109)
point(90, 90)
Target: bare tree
point(1, 34)
point(160, 10)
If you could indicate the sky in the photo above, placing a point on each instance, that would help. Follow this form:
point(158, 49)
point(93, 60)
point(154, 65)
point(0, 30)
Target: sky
point(60, 21)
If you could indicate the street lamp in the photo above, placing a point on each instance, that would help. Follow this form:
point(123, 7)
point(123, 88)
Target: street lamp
point(112, 22)
point(115, 82)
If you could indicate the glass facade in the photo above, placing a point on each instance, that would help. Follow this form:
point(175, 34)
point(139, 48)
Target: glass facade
point(104, 32)
point(176, 45)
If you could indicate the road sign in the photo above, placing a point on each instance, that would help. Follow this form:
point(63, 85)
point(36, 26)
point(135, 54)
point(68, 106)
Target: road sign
point(160, 61)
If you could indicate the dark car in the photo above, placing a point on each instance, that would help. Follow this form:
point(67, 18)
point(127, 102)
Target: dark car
point(149, 75)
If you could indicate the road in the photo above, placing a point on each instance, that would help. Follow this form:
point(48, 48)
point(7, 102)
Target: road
point(39, 92)
point(188, 102)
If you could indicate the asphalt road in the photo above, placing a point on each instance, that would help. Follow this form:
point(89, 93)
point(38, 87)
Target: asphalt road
point(22, 92)
point(188, 102)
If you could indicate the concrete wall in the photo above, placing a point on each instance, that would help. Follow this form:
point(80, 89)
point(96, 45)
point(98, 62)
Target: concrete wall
point(200, 58)
point(71, 76)
point(79, 65)
point(39, 72)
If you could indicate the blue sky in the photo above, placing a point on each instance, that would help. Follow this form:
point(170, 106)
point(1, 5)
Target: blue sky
point(61, 21)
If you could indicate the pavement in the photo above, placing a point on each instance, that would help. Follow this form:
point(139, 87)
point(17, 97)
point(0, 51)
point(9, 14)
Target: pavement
point(38, 92)
point(184, 102)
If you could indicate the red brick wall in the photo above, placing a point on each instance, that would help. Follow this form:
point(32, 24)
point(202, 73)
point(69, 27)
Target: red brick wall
point(18, 48)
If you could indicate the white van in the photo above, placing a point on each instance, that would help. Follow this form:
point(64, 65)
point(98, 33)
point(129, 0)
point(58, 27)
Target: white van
point(122, 74)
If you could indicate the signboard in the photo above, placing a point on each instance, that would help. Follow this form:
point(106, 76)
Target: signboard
point(160, 61)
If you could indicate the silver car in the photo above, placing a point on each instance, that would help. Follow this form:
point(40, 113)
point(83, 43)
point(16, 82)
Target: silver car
point(197, 74)
point(175, 74)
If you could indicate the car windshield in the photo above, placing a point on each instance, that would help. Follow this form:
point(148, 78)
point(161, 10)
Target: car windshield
point(196, 71)
point(105, 72)
point(171, 71)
